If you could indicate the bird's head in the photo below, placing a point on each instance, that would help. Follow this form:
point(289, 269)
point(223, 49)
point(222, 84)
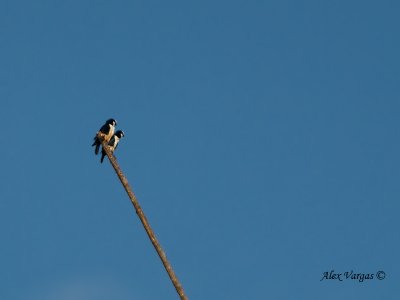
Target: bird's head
point(111, 122)
point(120, 134)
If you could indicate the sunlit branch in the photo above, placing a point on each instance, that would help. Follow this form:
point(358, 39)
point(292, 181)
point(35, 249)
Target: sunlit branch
point(145, 223)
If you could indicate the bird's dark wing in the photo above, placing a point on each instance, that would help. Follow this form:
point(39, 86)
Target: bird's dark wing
point(112, 141)
point(105, 129)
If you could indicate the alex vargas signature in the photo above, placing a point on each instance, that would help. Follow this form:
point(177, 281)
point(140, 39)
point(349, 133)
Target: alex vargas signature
point(351, 275)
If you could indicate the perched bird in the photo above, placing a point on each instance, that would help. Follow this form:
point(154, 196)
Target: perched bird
point(106, 132)
point(113, 143)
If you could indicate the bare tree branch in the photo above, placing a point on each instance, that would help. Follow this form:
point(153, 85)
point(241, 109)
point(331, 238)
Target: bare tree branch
point(145, 223)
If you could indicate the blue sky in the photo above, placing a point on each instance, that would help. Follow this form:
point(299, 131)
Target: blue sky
point(261, 141)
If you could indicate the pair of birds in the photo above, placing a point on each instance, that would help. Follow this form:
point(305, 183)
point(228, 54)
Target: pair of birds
point(108, 134)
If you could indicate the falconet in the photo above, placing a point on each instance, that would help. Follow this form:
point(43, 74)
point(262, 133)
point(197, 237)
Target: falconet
point(112, 144)
point(106, 132)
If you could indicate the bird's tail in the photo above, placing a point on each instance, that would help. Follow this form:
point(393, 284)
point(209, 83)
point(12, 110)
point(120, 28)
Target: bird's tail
point(96, 150)
point(102, 157)
point(97, 144)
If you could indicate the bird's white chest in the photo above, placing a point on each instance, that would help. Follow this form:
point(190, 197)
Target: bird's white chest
point(108, 136)
point(114, 144)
